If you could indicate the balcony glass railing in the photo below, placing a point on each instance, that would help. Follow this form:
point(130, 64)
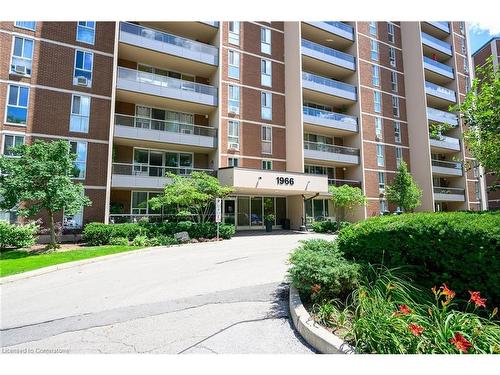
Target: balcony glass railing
point(440, 91)
point(437, 66)
point(167, 38)
point(145, 170)
point(443, 25)
point(442, 116)
point(333, 149)
point(341, 25)
point(159, 80)
point(340, 182)
point(451, 142)
point(327, 51)
point(447, 164)
point(328, 82)
point(435, 42)
point(166, 126)
point(448, 190)
point(352, 120)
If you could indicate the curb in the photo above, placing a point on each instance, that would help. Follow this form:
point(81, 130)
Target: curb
point(318, 337)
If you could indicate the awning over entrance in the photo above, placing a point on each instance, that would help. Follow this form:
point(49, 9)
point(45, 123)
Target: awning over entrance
point(252, 181)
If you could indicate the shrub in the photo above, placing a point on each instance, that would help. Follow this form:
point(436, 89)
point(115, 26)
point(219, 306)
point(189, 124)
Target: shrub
point(457, 248)
point(119, 241)
point(17, 236)
point(319, 271)
point(96, 234)
point(328, 226)
point(140, 241)
point(166, 241)
point(127, 230)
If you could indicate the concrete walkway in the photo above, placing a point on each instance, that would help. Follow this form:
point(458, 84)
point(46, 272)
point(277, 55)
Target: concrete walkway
point(226, 297)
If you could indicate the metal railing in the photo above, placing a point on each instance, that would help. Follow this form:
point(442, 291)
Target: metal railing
point(327, 51)
point(340, 182)
point(448, 190)
point(428, 39)
point(166, 126)
point(341, 25)
point(440, 90)
point(161, 36)
point(450, 140)
point(133, 218)
point(437, 64)
point(442, 116)
point(146, 170)
point(353, 120)
point(333, 149)
point(169, 82)
point(447, 164)
point(328, 82)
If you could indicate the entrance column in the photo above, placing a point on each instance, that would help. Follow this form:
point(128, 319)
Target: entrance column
point(296, 211)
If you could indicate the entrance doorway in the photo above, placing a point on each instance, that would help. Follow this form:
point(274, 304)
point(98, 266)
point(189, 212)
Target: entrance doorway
point(249, 212)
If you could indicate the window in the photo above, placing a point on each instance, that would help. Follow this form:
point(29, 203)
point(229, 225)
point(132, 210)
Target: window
point(395, 106)
point(466, 66)
point(234, 33)
point(266, 105)
point(234, 64)
point(397, 132)
point(29, 25)
point(462, 27)
point(381, 181)
point(477, 190)
point(265, 40)
point(374, 50)
point(377, 101)
point(80, 113)
point(392, 56)
point(375, 75)
point(82, 74)
point(85, 32)
point(373, 28)
point(378, 127)
point(73, 221)
point(266, 73)
point(462, 46)
point(233, 134)
point(17, 105)
point(267, 164)
point(399, 156)
point(80, 149)
point(383, 206)
point(475, 168)
point(467, 85)
point(380, 155)
point(390, 32)
point(234, 99)
point(140, 205)
point(267, 139)
point(394, 81)
point(10, 141)
point(22, 56)
point(232, 162)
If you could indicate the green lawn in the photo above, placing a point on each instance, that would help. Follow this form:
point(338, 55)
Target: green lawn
point(17, 261)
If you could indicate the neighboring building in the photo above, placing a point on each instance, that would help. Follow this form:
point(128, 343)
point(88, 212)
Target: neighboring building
point(279, 110)
point(489, 49)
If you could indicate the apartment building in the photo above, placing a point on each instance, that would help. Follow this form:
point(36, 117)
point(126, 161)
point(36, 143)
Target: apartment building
point(278, 110)
point(489, 49)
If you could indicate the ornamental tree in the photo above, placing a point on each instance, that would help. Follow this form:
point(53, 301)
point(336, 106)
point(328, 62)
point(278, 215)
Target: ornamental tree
point(194, 194)
point(344, 198)
point(404, 191)
point(480, 112)
point(38, 177)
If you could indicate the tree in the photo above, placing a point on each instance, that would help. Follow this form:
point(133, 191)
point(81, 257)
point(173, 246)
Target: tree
point(195, 194)
point(346, 197)
point(404, 192)
point(39, 177)
point(480, 112)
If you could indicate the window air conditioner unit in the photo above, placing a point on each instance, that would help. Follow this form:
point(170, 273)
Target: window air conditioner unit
point(20, 69)
point(82, 81)
point(393, 63)
point(234, 110)
point(235, 146)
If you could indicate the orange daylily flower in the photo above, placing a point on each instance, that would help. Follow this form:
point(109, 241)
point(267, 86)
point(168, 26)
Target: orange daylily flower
point(476, 298)
point(315, 288)
point(445, 291)
point(460, 342)
point(415, 329)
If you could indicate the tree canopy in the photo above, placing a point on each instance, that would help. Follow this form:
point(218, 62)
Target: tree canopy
point(346, 197)
point(404, 192)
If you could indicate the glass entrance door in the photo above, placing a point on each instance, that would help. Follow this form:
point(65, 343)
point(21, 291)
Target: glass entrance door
point(229, 211)
point(243, 215)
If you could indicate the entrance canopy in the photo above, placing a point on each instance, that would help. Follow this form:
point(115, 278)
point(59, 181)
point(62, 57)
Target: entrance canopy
point(260, 182)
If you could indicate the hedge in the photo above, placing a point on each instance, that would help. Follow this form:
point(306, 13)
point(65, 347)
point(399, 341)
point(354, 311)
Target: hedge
point(17, 236)
point(328, 226)
point(460, 249)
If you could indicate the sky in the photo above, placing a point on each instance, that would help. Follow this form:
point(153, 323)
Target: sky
point(482, 32)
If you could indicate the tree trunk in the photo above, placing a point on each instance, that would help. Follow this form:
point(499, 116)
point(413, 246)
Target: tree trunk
point(51, 228)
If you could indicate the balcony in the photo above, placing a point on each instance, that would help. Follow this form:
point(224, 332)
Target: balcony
point(446, 168)
point(135, 86)
point(442, 117)
point(211, 23)
point(145, 176)
point(339, 33)
point(339, 123)
point(325, 152)
point(444, 144)
point(436, 46)
point(320, 87)
point(441, 25)
point(339, 182)
point(440, 29)
point(439, 95)
point(130, 127)
point(436, 71)
point(446, 194)
point(325, 60)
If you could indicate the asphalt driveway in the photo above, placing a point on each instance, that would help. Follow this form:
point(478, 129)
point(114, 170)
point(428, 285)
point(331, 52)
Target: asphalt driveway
point(226, 297)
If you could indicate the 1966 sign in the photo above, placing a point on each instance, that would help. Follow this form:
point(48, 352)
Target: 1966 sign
point(285, 181)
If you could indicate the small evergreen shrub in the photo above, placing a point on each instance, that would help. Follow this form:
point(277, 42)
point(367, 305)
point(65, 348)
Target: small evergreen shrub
point(17, 236)
point(119, 241)
point(328, 226)
point(141, 241)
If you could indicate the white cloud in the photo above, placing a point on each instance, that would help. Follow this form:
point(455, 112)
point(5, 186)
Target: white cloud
point(491, 27)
